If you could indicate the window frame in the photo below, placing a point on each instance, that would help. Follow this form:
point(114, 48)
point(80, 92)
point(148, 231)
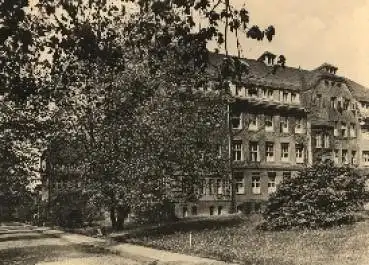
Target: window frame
point(285, 154)
point(253, 152)
point(237, 152)
point(255, 183)
point(269, 158)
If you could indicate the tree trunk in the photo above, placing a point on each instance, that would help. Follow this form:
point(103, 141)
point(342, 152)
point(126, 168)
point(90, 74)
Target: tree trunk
point(122, 213)
point(113, 218)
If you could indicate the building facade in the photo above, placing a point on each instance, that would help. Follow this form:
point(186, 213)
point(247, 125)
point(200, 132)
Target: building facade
point(284, 119)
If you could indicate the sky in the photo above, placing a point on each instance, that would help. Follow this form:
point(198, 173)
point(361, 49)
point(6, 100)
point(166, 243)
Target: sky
point(309, 33)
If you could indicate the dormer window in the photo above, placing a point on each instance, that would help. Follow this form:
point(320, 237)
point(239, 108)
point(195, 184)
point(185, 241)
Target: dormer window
point(328, 68)
point(267, 58)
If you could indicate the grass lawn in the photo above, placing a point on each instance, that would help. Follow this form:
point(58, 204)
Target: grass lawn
point(241, 242)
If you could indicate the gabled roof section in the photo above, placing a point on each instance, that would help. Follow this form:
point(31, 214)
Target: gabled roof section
point(291, 78)
point(360, 92)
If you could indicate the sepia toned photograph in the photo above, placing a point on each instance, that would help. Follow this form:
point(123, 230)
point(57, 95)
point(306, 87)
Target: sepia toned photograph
point(178, 132)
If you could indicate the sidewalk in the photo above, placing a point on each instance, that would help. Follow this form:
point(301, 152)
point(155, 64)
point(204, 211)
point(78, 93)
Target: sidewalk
point(134, 252)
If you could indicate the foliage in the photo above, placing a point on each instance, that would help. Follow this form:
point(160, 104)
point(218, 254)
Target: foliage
point(320, 196)
point(110, 81)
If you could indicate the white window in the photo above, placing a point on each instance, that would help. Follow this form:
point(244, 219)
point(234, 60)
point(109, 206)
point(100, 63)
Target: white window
point(344, 156)
point(326, 141)
point(239, 180)
point(333, 102)
point(284, 124)
point(237, 150)
point(271, 182)
point(255, 184)
point(285, 97)
point(284, 151)
point(344, 132)
point(299, 128)
point(352, 130)
point(254, 151)
point(366, 157)
point(211, 186)
point(336, 156)
point(265, 92)
point(353, 158)
point(253, 92)
point(270, 93)
point(318, 141)
point(336, 132)
point(219, 186)
point(295, 97)
point(269, 125)
point(299, 153)
point(253, 122)
point(269, 151)
point(236, 120)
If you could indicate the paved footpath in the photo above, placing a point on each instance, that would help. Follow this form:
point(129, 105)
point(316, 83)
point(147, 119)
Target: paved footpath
point(22, 244)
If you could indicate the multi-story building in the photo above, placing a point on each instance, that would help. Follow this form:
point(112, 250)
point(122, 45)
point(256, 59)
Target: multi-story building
point(285, 119)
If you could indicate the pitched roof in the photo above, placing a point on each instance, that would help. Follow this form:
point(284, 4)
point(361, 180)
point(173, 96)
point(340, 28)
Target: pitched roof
point(291, 78)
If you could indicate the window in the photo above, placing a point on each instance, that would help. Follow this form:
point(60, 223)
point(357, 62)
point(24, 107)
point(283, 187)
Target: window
point(253, 122)
point(254, 151)
point(344, 156)
point(352, 130)
point(219, 187)
point(319, 100)
point(219, 150)
point(284, 151)
point(286, 175)
point(366, 157)
point(326, 141)
point(284, 125)
point(255, 184)
point(336, 156)
point(194, 210)
point(202, 187)
point(220, 208)
point(269, 151)
point(346, 104)
point(333, 102)
point(344, 132)
point(299, 153)
point(285, 97)
point(270, 93)
point(240, 187)
point(353, 158)
point(211, 210)
point(293, 97)
point(299, 127)
point(211, 186)
point(184, 211)
point(236, 121)
point(271, 182)
point(269, 127)
point(237, 150)
point(335, 131)
point(318, 141)
point(265, 92)
point(238, 90)
point(253, 92)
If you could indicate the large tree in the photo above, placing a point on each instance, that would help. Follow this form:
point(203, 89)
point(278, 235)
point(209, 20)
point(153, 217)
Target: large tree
point(111, 79)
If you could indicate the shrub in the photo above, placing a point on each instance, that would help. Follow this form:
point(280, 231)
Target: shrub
point(320, 196)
